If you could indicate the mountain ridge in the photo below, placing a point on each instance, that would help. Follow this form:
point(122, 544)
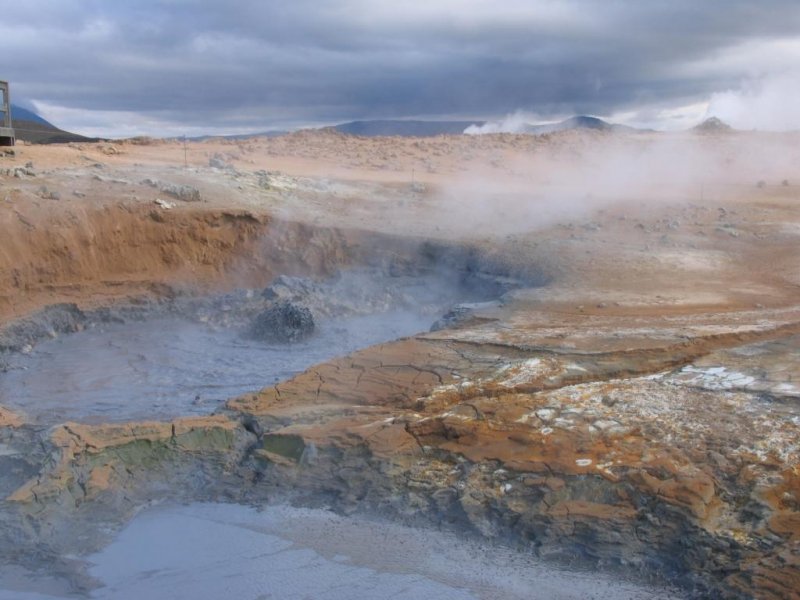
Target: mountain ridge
point(713, 125)
point(403, 127)
point(579, 122)
point(32, 127)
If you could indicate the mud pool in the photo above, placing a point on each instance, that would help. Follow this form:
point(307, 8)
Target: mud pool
point(169, 367)
point(210, 551)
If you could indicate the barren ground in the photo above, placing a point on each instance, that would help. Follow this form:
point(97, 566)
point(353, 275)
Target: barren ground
point(638, 410)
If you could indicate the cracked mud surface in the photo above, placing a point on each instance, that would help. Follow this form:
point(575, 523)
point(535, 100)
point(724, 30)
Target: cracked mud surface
point(637, 413)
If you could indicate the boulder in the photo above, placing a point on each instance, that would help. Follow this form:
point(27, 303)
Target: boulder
point(283, 322)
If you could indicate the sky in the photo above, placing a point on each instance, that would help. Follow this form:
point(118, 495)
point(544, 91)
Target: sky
point(172, 67)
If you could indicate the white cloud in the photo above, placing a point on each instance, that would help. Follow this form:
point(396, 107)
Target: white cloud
point(751, 58)
point(190, 64)
point(124, 124)
point(565, 14)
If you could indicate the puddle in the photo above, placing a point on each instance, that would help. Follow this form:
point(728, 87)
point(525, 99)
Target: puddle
point(165, 368)
point(212, 551)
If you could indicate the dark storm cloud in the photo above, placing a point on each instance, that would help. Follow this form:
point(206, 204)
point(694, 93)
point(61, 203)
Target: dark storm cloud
point(254, 64)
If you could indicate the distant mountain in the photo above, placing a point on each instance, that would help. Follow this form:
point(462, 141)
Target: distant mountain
point(713, 125)
point(404, 128)
point(238, 136)
point(578, 122)
point(23, 114)
point(30, 127)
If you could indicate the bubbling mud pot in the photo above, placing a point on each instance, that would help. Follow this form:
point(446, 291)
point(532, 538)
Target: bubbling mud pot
point(189, 356)
point(163, 368)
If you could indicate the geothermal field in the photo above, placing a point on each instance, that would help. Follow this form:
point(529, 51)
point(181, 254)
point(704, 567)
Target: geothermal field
point(465, 366)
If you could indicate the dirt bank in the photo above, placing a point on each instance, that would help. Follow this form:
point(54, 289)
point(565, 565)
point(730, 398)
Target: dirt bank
point(95, 254)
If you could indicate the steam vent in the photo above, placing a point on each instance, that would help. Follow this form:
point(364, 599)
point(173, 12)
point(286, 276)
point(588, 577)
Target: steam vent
point(7, 137)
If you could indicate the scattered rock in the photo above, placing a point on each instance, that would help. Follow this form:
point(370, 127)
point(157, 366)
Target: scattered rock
point(290, 289)
point(186, 193)
point(218, 161)
point(110, 180)
point(275, 180)
point(47, 194)
point(19, 172)
point(729, 229)
point(164, 204)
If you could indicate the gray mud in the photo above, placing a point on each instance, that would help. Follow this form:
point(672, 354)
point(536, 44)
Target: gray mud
point(212, 551)
point(163, 368)
point(187, 355)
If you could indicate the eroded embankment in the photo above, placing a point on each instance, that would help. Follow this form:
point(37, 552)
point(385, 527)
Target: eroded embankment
point(94, 254)
point(93, 257)
point(91, 254)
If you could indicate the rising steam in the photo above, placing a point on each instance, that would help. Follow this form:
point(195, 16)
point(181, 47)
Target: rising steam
point(538, 181)
point(767, 104)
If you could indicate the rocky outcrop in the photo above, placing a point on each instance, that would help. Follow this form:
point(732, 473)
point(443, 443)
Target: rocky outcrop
point(283, 322)
point(94, 459)
point(608, 457)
